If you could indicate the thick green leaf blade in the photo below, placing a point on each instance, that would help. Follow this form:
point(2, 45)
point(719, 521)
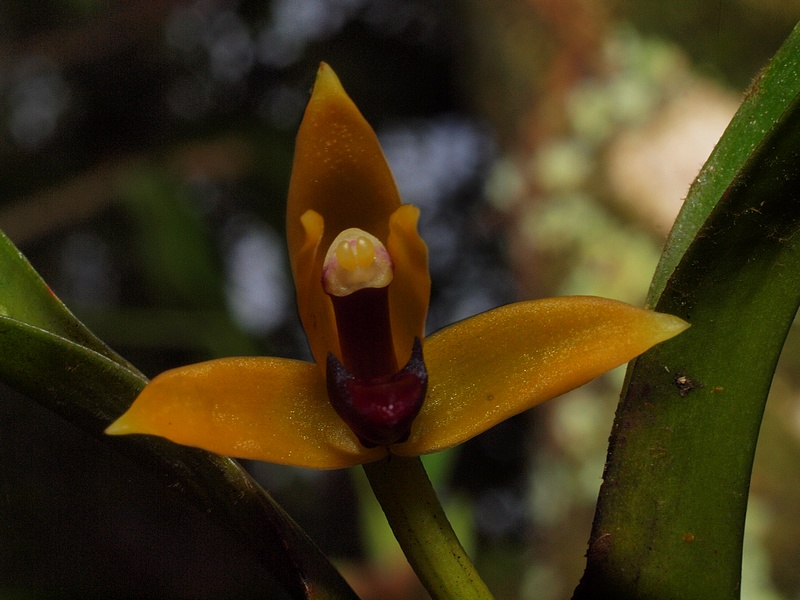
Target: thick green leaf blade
point(670, 517)
point(762, 109)
point(24, 296)
point(90, 390)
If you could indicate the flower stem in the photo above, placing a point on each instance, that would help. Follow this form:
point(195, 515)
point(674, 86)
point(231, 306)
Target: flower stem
point(415, 515)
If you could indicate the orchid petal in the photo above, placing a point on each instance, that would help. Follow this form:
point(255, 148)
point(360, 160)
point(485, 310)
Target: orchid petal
point(409, 292)
point(497, 364)
point(339, 172)
point(316, 310)
point(266, 409)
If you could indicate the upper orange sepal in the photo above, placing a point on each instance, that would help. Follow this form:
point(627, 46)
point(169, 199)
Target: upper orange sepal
point(341, 178)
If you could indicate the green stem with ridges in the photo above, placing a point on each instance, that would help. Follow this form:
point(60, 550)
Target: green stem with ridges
point(415, 515)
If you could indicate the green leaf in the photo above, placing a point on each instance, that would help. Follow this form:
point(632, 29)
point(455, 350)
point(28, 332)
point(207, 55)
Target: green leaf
point(24, 296)
point(46, 353)
point(759, 116)
point(90, 390)
point(49, 355)
point(670, 517)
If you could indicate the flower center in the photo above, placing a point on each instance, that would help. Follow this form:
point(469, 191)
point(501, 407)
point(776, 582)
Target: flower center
point(355, 260)
point(373, 396)
point(355, 274)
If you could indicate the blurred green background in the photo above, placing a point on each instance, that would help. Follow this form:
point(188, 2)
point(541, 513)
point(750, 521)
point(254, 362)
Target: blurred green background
point(145, 151)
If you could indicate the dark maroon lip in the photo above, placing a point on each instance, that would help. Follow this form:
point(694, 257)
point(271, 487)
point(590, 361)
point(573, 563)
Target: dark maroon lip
point(381, 410)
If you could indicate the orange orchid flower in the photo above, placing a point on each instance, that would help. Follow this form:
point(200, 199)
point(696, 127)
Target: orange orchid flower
point(361, 274)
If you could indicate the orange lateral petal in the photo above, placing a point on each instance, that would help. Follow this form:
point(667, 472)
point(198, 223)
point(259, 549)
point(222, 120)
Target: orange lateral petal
point(314, 305)
point(497, 364)
point(410, 290)
point(266, 409)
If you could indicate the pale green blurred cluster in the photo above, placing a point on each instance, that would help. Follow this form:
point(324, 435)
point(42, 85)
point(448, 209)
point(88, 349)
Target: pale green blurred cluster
point(575, 227)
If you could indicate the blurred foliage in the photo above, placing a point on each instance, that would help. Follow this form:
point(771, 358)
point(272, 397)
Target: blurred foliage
point(671, 513)
point(144, 157)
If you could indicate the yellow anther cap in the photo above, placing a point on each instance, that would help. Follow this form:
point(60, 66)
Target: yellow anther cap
point(356, 260)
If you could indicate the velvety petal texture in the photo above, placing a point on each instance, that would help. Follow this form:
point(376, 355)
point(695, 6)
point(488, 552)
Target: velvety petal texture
point(339, 169)
point(495, 365)
point(341, 174)
point(410, 291)
point(313, 304)
point(266, 409)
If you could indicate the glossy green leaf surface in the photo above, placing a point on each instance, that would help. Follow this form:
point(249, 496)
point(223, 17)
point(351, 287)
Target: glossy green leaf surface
point(90, 390)
point(670, 517)
point(762, 110)
point(24, 296)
